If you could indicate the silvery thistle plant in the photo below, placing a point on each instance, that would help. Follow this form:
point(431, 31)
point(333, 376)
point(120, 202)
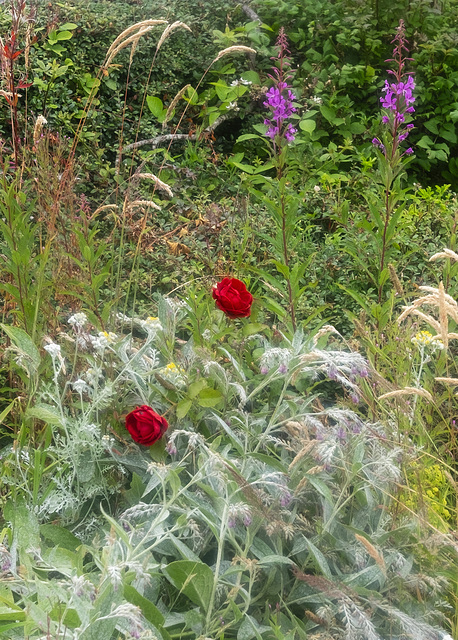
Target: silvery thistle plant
point(244, 519)
point(397, 103)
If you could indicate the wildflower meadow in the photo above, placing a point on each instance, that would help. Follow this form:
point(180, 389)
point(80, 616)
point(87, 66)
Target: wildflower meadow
point(229, 298)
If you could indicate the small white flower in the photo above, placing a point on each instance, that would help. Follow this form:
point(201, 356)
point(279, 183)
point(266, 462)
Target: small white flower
point(103, 340)
point(317, 100)
point(53, 349)
point(150, 324)
point(80, 386)
point(78, 320)
point(245, 82)
point(232, 105)
point(235, 83)
point(317, 188)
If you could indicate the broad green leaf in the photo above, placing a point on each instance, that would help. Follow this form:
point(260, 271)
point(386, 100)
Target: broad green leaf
point(44, 414)
point(6, 411)
point(247, 168)
point(24, 342)
point(60, 536)
point(196, 387)
point(183, 407)
point(252, 328)
point(149, 610)
point(194, 579)
point(307, 125)
point(24, 524)
point(68, 26)
point(156, 107)
point(251, 76)
point(209, 397)
point(69, 619)
point(319, 560)
point(63, 35)
point(248, 136)
point(7, 613)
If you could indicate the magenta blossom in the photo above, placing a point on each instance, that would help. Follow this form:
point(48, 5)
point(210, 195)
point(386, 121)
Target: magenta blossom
point(398, 98)
point(279, 98)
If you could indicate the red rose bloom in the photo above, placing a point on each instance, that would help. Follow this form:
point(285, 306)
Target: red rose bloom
point(145, 425)
point(233, 298)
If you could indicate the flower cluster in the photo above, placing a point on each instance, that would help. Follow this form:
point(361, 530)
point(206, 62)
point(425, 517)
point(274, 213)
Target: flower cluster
point(425, 339)
point(398, 96)
point(280, 97)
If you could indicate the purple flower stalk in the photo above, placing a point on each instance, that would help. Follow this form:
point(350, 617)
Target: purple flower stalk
point(398, 97)
point(280, 97)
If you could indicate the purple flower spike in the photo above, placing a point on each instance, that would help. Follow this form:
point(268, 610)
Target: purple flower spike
point(398, 96)
point(279, 98)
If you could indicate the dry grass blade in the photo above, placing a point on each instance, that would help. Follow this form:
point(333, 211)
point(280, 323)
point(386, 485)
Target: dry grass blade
point(125, 43)
point(435, 292)
point(427, 318)
point(168, 30)
point(233, 49)
point(407, 391)
point(445, 253)
point(159, 184)
point(134, 27)
point(443, 316)
point(174, 103)
point(452, 381)
point(143, 203)
point(104, 208)
point(372, 551)
point(39, 124)
point(395, 280)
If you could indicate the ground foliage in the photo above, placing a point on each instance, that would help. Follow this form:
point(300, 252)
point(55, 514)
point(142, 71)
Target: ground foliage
point(306, 485)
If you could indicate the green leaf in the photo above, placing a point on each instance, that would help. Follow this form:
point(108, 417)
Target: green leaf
point(6, 411)
point(45, 414)
point(149, 610)
point(307, 125)
point(60, 537)
point(6, 613)
point(183, 407)
point(261, 128)
point(247, 168)
point(209, 397)
point(23, 342)
point(70, 618)
point(64, 35)
point(251, 76)
point(194, 579)
point(248, 136)
point(24, 524)
point(319, 560)
point(155, 106)
point(252, 328)
point(196, 387)
point(68, 26)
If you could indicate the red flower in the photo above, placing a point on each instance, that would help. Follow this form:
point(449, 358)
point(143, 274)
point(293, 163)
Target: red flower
point(233, 298)
point(145, 425)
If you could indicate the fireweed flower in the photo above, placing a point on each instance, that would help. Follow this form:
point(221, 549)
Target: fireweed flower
point(398, 99)
point(280, 97)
